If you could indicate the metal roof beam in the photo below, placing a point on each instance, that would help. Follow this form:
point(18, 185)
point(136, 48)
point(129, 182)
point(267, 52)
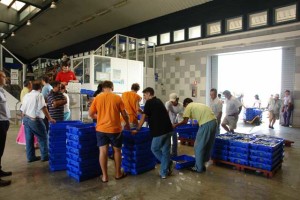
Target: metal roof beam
point(37, 3)
point(9, 16)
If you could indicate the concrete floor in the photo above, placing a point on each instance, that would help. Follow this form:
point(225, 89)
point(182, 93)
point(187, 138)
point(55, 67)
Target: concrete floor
point(35, 181)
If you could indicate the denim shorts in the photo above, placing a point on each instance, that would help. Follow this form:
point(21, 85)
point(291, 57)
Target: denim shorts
point(115, 139)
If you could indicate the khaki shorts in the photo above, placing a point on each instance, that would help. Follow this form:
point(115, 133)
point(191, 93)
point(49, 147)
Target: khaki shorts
point(273, 115)
point(231, 121)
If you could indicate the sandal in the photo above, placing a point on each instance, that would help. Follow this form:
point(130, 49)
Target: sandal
point(103, 180)
point(122, 176)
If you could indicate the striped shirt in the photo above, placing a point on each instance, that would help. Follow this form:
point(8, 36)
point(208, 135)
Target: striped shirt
point(58, 112)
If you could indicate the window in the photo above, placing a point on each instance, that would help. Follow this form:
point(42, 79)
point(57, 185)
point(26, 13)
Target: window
point(258, 19)
point(178, 35)
point(152, 40)
point(17, 5)
point(284, 14)
point(165, 38)
point(234, 24)
point(214, 28)
point(194, 32)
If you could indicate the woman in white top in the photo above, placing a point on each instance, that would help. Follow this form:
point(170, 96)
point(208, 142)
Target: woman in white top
point(67, 112)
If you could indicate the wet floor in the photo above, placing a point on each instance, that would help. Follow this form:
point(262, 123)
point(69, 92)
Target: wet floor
point(35, 181)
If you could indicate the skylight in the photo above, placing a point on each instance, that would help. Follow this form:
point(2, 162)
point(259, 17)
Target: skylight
point(17, 5)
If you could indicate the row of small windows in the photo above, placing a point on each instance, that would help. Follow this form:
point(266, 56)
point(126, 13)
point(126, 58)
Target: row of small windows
point(284, 14)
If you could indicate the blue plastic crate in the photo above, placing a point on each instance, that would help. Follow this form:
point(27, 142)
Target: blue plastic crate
point(80, 178)
point(58, 156)
point(136, 159)
point(239, 150)
point(238, 161)
point(264, 154)
point(184, 161)
point(57, 167)
point(86, 163)
point(187, 128)
point(140, 170)
point(61, 150)
point(267, 145)
point(219, 157)
point(221, 146)
point(82, 130)
point(57, 143)
point(93, 169)
point(83, 157)
point(241, 142)
point(137, 165)
point(141, 137)
point(83, 144)
point(265, 166)
point(136, 153)
point(63, 124)
point(265, 160)
point(239, 155)
point(56, 161)
point(220, 152)
point(80, 138)
point(137, 147)
point(82, 151)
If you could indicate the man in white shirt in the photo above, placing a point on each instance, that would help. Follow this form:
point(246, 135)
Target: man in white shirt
point(175, 110)
point(287, 108)
point(216, 105)
point(4, 125)
point(34, 111)
point(233, 109)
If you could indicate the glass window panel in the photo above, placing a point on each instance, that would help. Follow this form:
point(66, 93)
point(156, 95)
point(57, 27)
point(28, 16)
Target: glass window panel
point(165, 38)
point(102, 69)
point(284, 14)
point(258, 19)
point(86, 78)
point(179, 35)
point(234, 24)
point(152, 40)
point(214, 28)
point(194, 32)
point(78, 69)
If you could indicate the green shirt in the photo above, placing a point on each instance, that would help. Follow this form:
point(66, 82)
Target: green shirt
point(200, 112)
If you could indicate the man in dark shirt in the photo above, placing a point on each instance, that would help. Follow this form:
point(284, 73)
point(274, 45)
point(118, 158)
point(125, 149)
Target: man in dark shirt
point(160, 128)
point(56, 101)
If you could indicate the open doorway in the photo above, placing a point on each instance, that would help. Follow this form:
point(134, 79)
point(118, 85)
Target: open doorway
point(251, 73)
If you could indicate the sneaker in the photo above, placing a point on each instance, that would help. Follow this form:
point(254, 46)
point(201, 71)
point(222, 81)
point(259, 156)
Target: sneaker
point(4, 183)
point(163, 177)
point(3, 173)
point(45, 159)
point(193, 169)
point(170, 168)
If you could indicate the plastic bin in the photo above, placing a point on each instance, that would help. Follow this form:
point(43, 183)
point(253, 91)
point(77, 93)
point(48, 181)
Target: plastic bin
point(264, 154)
point(184, 161)
point(139, 170)
point(238, 161)
point(239, 155)
point(267, 145)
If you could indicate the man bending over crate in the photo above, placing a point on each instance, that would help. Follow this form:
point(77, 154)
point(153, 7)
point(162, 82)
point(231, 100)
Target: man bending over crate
point(206, 133)
point(106, 108)
point(160, 129)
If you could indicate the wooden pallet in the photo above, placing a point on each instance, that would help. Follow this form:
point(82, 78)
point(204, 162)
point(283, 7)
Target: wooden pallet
point(288, 143)
point(184, 141)
point(268, 174)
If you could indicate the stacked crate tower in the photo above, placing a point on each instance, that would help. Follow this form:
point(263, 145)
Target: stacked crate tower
point(57, 145)
point(136, 152)
point(82, 152)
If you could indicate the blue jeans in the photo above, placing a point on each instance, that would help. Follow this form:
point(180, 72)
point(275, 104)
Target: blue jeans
point(174, 144)
point(160, 147)
point(287, 116)
point(204, 143)
point(35, 127)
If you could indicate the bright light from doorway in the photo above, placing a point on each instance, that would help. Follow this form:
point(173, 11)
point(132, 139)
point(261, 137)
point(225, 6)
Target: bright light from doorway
point(250, 73)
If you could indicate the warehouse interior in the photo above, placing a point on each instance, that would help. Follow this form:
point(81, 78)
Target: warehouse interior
point(184, 47)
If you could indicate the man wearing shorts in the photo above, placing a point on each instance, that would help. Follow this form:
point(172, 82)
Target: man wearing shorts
point(106, 108)
point(233, 109)
point(274, 110)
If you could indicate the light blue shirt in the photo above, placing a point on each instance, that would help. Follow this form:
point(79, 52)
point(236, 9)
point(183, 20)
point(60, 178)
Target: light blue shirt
point(46, 90)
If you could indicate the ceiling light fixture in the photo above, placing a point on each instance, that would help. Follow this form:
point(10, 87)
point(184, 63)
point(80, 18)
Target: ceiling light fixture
point(13, 34)
point(28, 22)
point(53, 5)
point(3, 41)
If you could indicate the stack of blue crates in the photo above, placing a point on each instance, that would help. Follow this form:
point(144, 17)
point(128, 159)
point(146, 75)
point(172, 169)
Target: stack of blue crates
point(251, 113)
point(187, 131)
point(90, 93)
point(136, 151)
point(57, 145)
point(239, 149)
point(258, 151)
point(82, 152)
point(266, 153)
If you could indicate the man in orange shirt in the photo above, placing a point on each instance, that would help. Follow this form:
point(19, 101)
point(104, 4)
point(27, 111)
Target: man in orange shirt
point(106, 108)
point(132, 104)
